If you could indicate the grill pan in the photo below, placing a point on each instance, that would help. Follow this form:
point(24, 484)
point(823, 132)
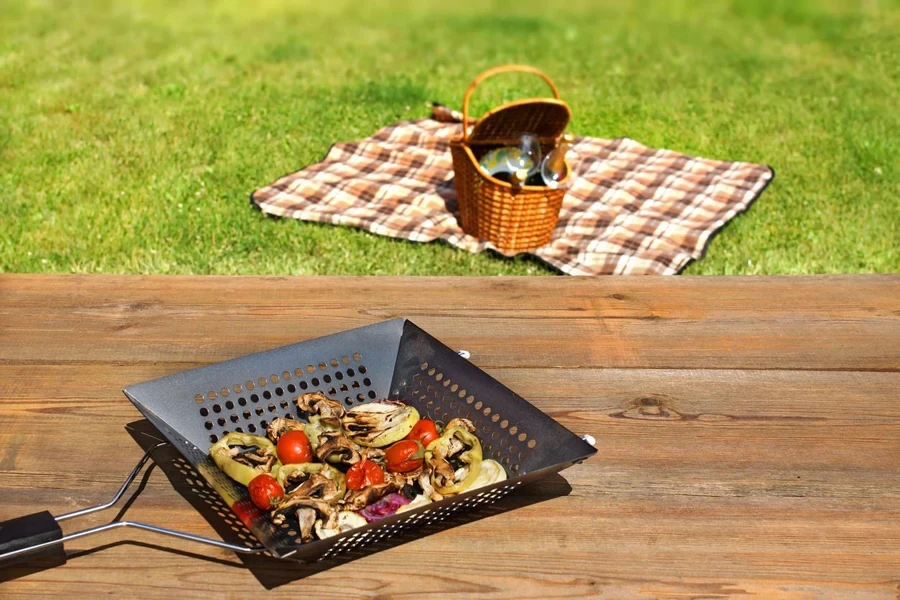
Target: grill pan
point(393, 359)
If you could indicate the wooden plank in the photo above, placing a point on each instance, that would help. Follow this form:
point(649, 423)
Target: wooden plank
point(761, 323)
point(770, 479)
point(750, 432)
point(722, 455)
point(622, 548)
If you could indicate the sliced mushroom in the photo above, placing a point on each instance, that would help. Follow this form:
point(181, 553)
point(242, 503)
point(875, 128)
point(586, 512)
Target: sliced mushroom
point(259, 459)
point(296, 503)
point(335, 448)
point(454, 459)
point(279, 426)
point(442, 472)
point(405, 479)
point(379, 423)
point(373, 454)
point(358, 500)
point(312, 479)
point(462, 423)
point(428, 489)
point(346, 520)
point(329, 411)
point(306, 518)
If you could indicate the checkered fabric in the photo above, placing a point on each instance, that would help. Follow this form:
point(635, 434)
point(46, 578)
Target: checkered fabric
point(633, 210)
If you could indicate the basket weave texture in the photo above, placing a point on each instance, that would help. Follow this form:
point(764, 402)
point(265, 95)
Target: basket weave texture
point(513, 219)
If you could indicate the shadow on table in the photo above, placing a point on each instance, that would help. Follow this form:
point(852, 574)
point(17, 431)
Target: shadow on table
point(272, 572)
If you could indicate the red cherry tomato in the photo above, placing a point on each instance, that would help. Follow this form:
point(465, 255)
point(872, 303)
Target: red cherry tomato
point(363, 474)
point(425, 431)
point(404, 456)
point(265, 491)
point(293, 447)
point(246, 512)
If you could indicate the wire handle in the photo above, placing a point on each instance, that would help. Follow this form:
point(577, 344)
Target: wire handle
point(35, 533)
point(496, 71)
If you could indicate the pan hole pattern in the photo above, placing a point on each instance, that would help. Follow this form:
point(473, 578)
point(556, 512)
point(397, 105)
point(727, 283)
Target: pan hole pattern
point(286, 534)
point(205, 493)
point(424, 516)
point(441, 399)
point(345, 376)
point(221, 416)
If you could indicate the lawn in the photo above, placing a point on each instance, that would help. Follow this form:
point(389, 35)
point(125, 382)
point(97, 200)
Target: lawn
point(132, 133)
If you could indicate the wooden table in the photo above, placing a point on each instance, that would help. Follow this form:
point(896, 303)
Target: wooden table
point(748, 432)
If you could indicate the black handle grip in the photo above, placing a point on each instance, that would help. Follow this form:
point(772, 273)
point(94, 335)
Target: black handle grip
point(31, 530)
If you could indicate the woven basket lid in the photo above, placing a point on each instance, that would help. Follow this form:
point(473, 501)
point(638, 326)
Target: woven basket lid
point(546, 118)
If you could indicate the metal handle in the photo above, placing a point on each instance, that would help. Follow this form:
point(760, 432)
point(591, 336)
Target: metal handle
point(34, 534)
point(30, 536)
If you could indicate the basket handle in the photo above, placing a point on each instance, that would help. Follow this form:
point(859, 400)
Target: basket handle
point(496, 71)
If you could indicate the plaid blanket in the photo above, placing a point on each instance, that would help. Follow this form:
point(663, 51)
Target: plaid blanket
point(633, 209)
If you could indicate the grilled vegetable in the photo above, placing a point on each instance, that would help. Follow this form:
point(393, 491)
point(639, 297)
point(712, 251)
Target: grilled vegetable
point(293, 447)
point(328, 411)
point(358, 500)
point(404, 456)
point(295, 476)
point(491, 472)
point(425, 431)
point(363, 474)
point(336, 448)
point(379, 423)
point(307, 509)
point(265, 492)
point(346, 520)
point(242, 456)
point(416, 502)
point(459, 445)
point(280, 426)
point(384, 507)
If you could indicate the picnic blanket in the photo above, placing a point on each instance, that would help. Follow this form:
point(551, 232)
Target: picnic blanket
point(633, 209)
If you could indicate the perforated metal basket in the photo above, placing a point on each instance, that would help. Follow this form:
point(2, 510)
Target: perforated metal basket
point(392, 359)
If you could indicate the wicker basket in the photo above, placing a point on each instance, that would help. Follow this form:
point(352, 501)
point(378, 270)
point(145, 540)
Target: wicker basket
point(513, 219)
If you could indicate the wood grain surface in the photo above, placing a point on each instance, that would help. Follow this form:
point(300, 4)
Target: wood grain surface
point(748, 433)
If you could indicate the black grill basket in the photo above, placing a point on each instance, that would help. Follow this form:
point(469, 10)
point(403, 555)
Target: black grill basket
point(392, 359)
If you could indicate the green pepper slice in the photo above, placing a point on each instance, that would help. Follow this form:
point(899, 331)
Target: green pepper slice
point(472, 457)
point(243, 474)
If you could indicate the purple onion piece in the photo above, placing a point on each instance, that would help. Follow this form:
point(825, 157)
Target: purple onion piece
point(383, 508)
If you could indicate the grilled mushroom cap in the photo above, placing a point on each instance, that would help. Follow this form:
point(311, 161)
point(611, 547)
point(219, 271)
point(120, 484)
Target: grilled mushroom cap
point(461, 422)
point(302, 499)
point(316, 403)
point(427, 488)
point(306, 518)
point(359, 499)
point(453, 462)
point(335, 448)
point(346, 520)
point(257, 458)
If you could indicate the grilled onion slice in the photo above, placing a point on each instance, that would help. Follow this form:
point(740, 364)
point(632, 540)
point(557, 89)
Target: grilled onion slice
point(379, 423)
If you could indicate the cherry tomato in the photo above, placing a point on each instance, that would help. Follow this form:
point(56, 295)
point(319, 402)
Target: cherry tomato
point(404, 456)
point(293, 447)
point(425, 431)
point(246, 511)
point(265, 491)
point(363, 474)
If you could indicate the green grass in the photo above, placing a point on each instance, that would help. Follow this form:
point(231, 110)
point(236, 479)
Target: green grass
point(132, 133)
